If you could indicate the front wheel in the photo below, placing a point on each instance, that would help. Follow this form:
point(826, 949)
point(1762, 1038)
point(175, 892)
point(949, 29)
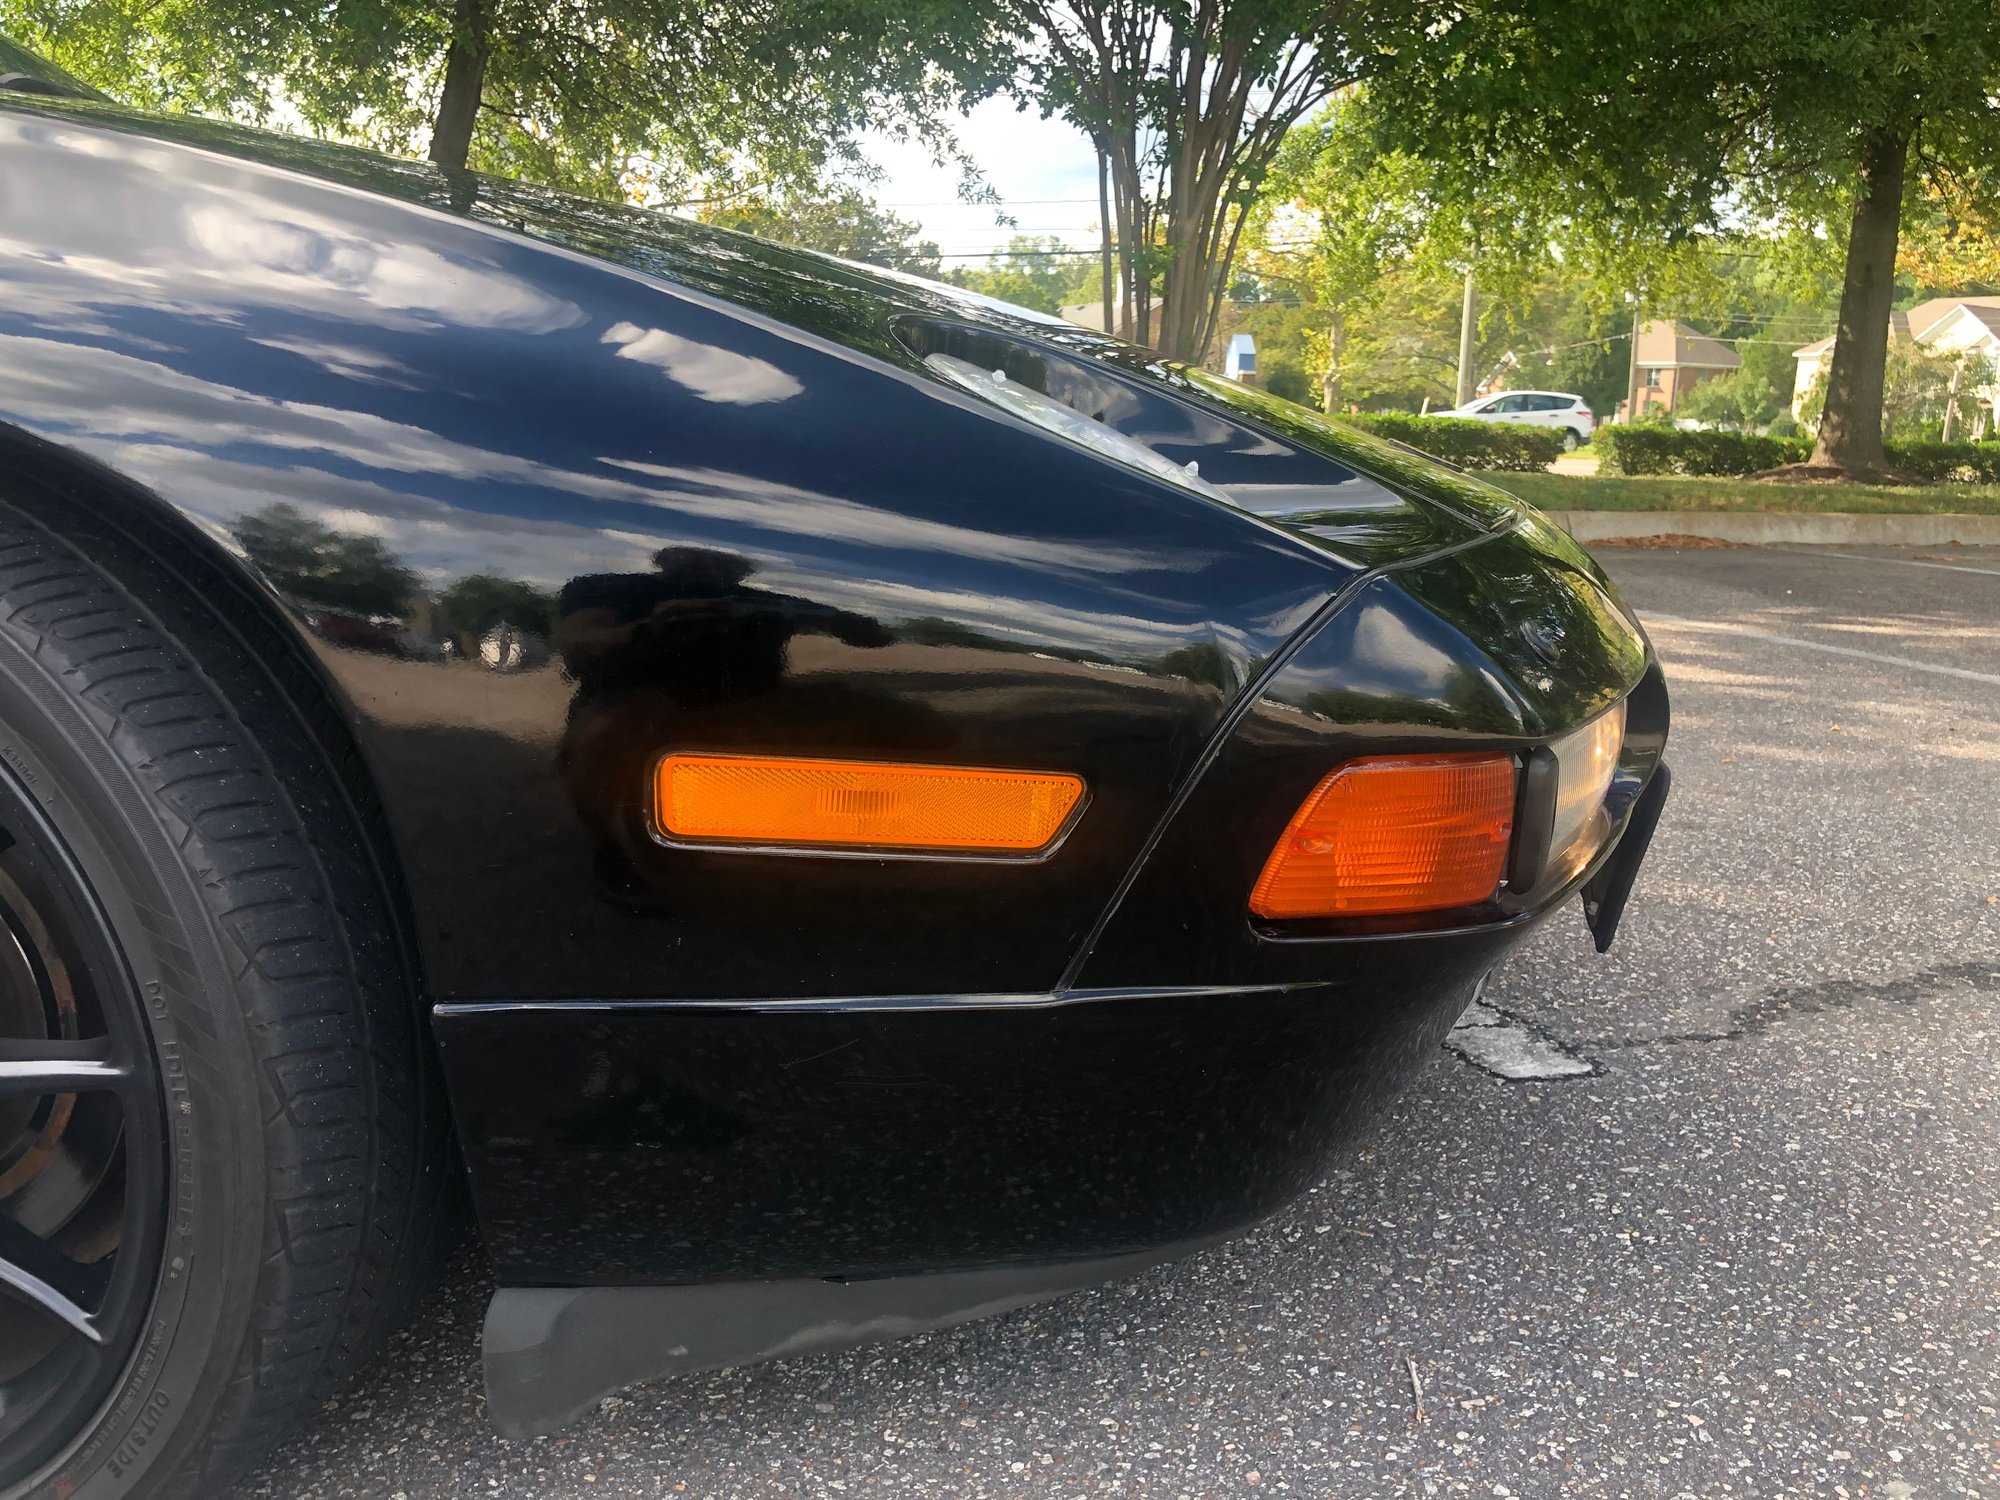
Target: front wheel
point(218, 1123)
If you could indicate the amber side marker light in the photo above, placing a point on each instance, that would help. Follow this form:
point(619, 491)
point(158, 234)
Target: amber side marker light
point(1393, 834)
point(773, 800)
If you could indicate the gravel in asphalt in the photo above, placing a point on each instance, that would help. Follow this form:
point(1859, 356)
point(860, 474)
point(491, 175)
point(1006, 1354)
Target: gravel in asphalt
point(1753, 1251)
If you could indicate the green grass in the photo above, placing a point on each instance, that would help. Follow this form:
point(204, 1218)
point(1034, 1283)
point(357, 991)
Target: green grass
point(1650, 492)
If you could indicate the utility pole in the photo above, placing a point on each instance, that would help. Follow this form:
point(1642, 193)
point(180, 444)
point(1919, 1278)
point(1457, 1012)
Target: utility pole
point(1632, 375)
point(1465, 324)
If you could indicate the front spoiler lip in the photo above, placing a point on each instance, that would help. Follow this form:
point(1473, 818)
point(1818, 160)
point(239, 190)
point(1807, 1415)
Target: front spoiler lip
point(1610, 885)
point(549, 1353)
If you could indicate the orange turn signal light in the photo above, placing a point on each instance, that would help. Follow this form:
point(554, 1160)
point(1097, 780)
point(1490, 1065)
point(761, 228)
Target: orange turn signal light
point(1393, 834)
point(758, 799)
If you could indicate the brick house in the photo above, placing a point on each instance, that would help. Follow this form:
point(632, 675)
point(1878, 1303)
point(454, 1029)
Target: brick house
point(1673, 359)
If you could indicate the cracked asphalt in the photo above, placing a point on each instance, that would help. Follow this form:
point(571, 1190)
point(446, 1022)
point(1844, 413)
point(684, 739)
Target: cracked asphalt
point(1755, 1251)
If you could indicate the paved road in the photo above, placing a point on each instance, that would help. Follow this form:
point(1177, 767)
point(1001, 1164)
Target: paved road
point(1754, 1251)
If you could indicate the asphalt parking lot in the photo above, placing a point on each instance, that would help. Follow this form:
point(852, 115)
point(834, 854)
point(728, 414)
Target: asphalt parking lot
point(1747, 1244)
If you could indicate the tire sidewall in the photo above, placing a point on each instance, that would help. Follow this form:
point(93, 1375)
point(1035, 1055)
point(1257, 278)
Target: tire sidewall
point(55, 752)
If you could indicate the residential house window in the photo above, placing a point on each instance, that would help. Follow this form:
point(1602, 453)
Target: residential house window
point(1652, 378)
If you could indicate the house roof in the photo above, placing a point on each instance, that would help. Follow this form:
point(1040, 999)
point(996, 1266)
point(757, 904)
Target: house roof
point(1085, 314)
point(1984, 318)
point(1926, 316)
point(1922, 320)
point(1666, 344)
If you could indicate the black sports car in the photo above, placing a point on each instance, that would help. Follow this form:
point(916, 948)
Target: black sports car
point(850, 806)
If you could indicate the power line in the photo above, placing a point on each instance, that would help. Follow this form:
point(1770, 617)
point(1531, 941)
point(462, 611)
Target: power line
point(997, 203)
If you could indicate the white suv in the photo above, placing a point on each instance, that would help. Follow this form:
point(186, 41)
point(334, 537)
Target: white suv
point(1535, 408)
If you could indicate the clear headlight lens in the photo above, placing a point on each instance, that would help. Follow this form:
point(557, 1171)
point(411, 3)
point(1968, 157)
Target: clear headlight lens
point(1052, 416)
point(1585, 761)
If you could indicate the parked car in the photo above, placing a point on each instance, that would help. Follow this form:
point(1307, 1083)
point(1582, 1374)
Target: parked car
point(995, 811)
point(1562, 410)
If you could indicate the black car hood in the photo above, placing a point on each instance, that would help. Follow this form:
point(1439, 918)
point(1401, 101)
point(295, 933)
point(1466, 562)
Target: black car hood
point(1370, 503)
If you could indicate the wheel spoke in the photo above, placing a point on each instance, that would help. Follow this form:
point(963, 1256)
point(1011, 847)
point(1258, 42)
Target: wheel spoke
point(58, 1067)
point(33, 1269)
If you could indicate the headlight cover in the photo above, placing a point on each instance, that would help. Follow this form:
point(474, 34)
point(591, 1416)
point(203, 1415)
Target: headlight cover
point(1586, 760)
point(1051, 415)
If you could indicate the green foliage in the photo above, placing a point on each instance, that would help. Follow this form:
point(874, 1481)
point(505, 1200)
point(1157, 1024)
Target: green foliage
point(1469, 444)
point(1338, 214)
point(1657, 450)
point(1595, 366)
point(1035, 273)
point(844, 223)
point(1638, 448)
point(1743, 400)
point(1663, 123)
point(1947, 463)
point(1403, 350)
point(314, 564)
point(1767, 358)
point(1916, 389)
point(616, 98)
point(1288, 378)
point(1559, 492)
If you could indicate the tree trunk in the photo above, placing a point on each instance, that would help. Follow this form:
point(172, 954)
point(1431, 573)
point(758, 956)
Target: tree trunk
point(464, 76)
point(1336, 350)
point(1850, 432)
point(1104, 235)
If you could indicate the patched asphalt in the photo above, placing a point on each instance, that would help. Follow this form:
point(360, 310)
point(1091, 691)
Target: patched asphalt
point(1753, 1250)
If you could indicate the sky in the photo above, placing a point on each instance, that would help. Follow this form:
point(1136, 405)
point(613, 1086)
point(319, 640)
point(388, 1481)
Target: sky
point(1043, 170)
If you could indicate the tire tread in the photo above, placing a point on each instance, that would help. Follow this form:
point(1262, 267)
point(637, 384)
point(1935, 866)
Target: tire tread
point(352, 1116)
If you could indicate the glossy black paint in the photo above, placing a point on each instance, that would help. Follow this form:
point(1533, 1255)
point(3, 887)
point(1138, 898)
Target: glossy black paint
point(546, 489)
point(866, 561)
point(687, 1144)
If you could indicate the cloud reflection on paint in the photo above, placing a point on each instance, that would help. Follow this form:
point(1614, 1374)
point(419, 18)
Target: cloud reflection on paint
point(710, 372)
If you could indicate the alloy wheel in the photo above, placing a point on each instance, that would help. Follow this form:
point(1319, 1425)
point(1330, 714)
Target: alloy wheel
point(84, 1172)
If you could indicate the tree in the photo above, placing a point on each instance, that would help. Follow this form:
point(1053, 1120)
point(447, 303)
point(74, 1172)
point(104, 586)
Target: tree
point(315, 564)
point(844, 222)
point(1668, 121)
point(1951, 239)
point(475, 604)
point(1186, 102)
point(1337, 214)
point(1043, 274)
point(1595, 364)
point(1743, 400)
point(618, 98)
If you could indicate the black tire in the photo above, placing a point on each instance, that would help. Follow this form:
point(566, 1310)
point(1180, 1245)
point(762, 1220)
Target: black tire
point(1572, 440)
point(306, 1171)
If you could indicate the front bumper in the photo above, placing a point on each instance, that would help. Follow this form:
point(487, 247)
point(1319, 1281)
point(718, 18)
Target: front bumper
point(632, 1143)
point(733, 1179)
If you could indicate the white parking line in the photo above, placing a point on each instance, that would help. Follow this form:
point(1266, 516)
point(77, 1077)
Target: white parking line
point(1907, 663)
point(1901, 562)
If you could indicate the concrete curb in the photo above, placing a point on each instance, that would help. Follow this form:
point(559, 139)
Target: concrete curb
point(1756, 527)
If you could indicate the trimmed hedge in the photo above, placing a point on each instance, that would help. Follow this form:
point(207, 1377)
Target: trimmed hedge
point(1642, 449)
point(1666, 450)
point(1467, 443)
point(1948, 463)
